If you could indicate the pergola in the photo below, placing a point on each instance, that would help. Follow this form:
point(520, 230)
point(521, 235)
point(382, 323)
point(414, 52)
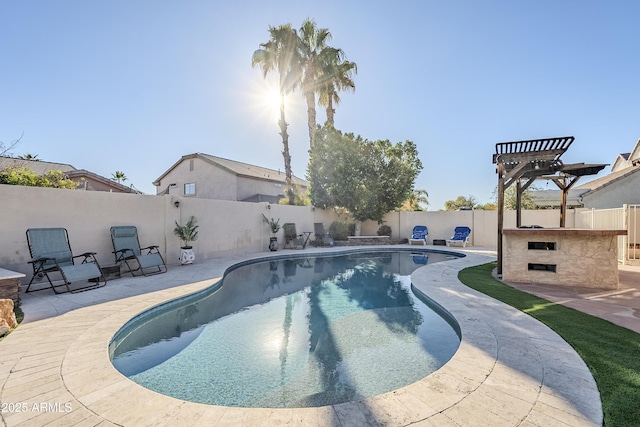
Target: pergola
point(522, 162)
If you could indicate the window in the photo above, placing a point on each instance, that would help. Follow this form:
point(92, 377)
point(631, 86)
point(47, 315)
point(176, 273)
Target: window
point(190, 189)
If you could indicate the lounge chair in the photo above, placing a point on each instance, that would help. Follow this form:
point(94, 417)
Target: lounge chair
point(460, 235)
point(419, 234)
point(291, 238)
point(127, 250)
point(51, 253)
point(420, 258)
point(322, 237)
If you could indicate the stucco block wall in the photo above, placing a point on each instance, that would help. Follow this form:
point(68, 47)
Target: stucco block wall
point(86, 215)
point(225, 226)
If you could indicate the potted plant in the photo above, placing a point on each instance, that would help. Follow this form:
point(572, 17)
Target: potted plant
point(187, 233)
point(275, 227)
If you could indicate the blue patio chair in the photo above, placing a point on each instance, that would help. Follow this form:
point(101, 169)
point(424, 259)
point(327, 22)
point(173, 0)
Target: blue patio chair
point(460, 235)
point(420, 258)
point(51, 253)
point(127, 250)
point(419, 234)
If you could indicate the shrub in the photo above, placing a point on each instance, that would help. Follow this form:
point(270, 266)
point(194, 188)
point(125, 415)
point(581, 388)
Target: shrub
point(384, 230)
point(16, 175)
point(339, 230)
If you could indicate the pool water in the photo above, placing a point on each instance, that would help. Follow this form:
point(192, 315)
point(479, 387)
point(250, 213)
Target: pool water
point(300, 332)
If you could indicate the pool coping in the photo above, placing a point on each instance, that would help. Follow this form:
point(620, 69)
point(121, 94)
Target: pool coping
point(509, 370)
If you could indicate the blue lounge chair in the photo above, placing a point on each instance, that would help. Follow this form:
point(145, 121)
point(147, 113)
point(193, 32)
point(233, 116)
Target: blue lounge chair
point(420, 258)
point(126, 248)
point(51, 253)
point(460, 235)
point(419, 234)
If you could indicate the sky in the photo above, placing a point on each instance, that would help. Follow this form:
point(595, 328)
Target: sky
point(133, 85)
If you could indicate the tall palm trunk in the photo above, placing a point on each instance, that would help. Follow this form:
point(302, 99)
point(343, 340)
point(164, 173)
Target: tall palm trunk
point(330, 110)
point(285, 142)
point(311, 114)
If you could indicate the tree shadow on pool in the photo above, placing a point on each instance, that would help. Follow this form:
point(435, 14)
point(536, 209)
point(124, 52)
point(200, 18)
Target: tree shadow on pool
point(369, 286)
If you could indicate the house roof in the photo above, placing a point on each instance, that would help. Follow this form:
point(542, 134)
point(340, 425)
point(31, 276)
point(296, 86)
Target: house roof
point(39, 167)
point(237, 168)
point(85, 174)
point(599, 183)
point(621, 162)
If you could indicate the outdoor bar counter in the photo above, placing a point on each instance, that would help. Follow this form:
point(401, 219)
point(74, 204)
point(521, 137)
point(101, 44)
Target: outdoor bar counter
point(561, 256)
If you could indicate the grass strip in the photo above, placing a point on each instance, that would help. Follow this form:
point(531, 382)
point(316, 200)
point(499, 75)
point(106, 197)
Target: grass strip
point(611, 352)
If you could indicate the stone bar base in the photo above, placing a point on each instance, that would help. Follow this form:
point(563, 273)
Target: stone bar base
point(561, 256)
point(369, 240)
point(10, 285)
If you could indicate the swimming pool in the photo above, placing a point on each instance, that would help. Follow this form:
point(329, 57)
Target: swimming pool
point(305, 331)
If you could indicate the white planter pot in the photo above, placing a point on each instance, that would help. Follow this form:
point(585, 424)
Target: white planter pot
point(273, 244)
point(187, 256)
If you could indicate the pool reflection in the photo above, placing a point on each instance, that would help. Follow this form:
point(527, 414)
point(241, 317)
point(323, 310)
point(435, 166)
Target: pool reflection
point(373, 292)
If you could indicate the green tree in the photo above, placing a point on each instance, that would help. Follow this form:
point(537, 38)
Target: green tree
point(119, 177)
point(296, 197)
point(461, 202)
point(17, 175)
point(487, 207)
point(314, 52)
point(510, 198)
point(280, 55)
point(368, 178)
point(416, 199)
point(338, 76)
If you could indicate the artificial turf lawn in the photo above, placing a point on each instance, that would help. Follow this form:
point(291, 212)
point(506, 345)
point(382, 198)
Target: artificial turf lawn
point(611, 352)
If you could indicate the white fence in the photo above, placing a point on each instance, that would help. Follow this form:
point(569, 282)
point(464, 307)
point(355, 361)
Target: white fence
point(625, 218)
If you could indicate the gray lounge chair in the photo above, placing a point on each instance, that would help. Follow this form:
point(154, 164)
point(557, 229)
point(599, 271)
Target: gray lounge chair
point(322, 237)
point(51, 253)
point(127, 250)
point(291, 238)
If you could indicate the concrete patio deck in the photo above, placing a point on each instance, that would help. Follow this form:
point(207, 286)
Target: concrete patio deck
point(510, 370)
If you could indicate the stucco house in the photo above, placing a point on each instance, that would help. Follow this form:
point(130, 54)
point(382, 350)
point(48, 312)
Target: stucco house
point(210, 177)
point(86, 180)
point(620, 186)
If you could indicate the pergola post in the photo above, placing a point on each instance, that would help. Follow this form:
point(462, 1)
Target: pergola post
point(500, 216)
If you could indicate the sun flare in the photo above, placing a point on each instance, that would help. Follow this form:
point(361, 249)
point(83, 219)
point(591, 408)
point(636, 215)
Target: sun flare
point(263, 98)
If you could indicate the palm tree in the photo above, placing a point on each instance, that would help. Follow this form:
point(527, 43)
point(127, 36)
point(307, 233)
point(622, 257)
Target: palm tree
point(314, 52)
point(338, 77)
point(32, 157)
point(118, 176)
point(415, 199)
point(280, 54)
